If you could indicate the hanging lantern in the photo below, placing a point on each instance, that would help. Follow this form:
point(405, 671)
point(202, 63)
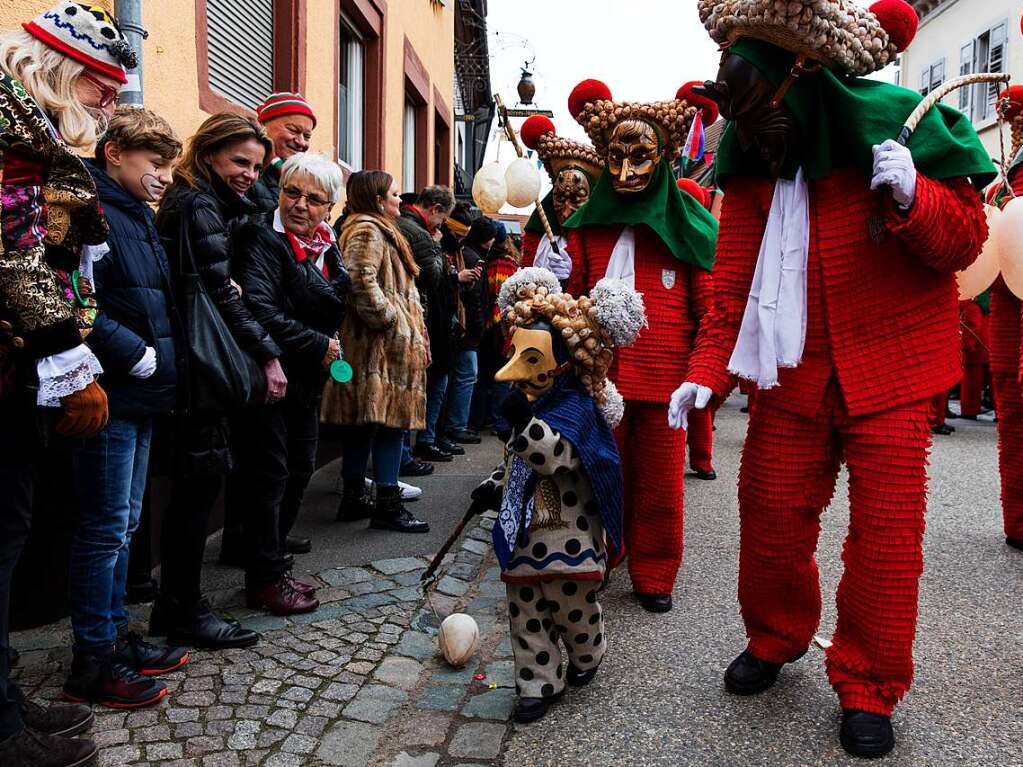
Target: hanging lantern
point(978, 276)
point(489, 189)
point(523, 182)
point(526, 87)
point(1010, 245)
point(459, 638)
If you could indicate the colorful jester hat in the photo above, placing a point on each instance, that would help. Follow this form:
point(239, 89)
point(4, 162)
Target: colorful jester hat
point(87, 34)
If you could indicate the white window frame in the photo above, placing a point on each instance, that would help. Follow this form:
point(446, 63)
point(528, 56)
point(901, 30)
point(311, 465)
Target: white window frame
point(408, 147)
point(351, 98)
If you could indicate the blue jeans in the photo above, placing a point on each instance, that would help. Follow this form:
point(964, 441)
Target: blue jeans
point(436, 391)
point(110, 478)
point(406, 448)
point(463, 380)
point(383, 443)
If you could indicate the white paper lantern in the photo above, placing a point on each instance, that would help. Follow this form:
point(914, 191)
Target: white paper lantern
point(523, 180)
point(1010, 245)
point(459, 639)
point(489, 189)
point(978, 276)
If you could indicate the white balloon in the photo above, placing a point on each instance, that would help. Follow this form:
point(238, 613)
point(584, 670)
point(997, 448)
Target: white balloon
point(489, 189)
point(978, 276)
point(523, 180)
point(459, 639)
point(1010, 245)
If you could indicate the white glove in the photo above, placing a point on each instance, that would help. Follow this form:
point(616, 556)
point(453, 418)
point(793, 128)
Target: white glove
point(146, 366)
point(893, 166)
point(560, 264)
point(685, 398)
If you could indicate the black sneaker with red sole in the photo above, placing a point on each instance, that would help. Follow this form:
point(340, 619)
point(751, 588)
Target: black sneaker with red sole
point(104, 682)
point(146, 658)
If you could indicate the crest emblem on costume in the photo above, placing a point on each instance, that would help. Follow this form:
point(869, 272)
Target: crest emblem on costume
point(668, 278)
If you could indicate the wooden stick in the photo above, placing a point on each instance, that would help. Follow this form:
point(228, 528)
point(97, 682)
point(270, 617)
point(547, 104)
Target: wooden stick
point(939, 93)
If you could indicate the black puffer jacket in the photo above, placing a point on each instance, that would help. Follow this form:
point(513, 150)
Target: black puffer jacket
point(133, 284)
point(474, 295)
point(300, 307)
point(266, 192)
point(211, 212)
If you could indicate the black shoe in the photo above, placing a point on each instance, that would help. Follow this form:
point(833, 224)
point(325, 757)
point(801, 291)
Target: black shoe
point(198, 626)
point(431, 453)
point(1016, 543)
point(966, 417)
point(748, 675)
point(530, 709)
point(416, 469)
point(449, 447)
point(707, 475)
point(943, 430)
point(392, 515)
point(744, 409)
point(355, 503)
point(578, 678)
point(141, 593)
point(148, 659)
point(655, 603)
point(866, 735)
point(64, 721)
point(13, 657)
point(297, 545)
point(35, 749)
point(465, 437)
point(105, 682)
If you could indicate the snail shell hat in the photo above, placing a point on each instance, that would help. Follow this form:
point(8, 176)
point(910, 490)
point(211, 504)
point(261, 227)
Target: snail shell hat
point(836, 33)
point(557, 153)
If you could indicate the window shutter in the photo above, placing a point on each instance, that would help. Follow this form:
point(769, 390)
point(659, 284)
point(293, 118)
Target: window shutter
point(241, 49)
point(996, 63)
point(966, 55)
point(925, 81)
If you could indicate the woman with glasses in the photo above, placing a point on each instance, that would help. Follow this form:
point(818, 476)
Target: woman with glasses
point(291, 276)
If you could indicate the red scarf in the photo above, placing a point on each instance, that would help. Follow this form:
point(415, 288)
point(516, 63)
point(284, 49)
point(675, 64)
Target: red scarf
point(313, 247)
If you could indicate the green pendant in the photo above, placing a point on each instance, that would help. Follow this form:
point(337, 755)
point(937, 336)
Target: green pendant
point(341, 371)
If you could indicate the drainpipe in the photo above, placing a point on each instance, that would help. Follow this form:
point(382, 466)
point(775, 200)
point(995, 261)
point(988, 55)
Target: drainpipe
point(129, 18)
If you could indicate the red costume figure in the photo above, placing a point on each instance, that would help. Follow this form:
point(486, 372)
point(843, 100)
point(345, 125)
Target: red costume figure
point(973, 319)
point(639, 227)
point(835, 293)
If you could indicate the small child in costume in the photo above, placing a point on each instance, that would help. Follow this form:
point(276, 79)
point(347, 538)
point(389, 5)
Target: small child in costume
point(559, 495)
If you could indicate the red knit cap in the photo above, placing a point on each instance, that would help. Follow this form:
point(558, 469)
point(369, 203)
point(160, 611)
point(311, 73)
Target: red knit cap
point(282, 104)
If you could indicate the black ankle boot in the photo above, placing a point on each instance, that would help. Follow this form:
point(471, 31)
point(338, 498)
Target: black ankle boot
point(748, 675)
point(866, 735)
point(355, 503)
point(392, 515)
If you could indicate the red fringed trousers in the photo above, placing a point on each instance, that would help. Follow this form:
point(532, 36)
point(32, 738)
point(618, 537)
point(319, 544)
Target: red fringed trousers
point(653, 462)
point(1009, 400)
point(787, 478)
point(701, 439)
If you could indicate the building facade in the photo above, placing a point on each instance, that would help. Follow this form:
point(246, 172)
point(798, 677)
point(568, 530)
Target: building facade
point(378, 73)
point(962, 37)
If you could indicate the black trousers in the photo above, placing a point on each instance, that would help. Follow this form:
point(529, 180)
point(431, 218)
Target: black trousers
point(276, 453)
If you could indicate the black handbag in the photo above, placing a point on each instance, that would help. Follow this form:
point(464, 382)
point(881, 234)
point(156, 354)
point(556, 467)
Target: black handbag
point(223, 376)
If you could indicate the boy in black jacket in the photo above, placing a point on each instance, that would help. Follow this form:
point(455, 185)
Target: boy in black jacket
point(134, 339)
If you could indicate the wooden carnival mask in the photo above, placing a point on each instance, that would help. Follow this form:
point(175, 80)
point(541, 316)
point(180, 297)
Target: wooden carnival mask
point(533, 366)
point(571, 191)
point(633, 153)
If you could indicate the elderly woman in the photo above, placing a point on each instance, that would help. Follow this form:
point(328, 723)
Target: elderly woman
point(386, 334)
point(293, 281)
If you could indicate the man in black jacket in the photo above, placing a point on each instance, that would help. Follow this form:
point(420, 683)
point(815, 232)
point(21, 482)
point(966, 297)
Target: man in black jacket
point(289, 122)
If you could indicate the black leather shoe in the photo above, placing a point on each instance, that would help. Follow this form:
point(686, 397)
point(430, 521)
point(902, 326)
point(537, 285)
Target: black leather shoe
point(64, 721)
point(530, 709)
point(578, 678)
point(449, 447)
point(416, 469)
point(355, 504)
point(943, 430)
point(748, 675)
point(706, 475)
point(198, 627)
point(1016, 543)
point(866, 735)
point(431, 453)
point(655, 603)
point(392, 515)
point(465, 437)
point(148, 659)
point(297, 545)
point(35, 749)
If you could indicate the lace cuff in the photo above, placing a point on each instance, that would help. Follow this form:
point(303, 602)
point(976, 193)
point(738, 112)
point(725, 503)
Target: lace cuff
point(65, 373)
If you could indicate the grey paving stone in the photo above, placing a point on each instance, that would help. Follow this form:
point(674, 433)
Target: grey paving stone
point(368, 601)
point(282, 717)
point(504, 649)
point(375, 703)
point(161, 751)
point(225, 759)
point(360, 667)
point(407, 594)
point(493, 589)
point(494, 704)
point(420, 760)
point(501, 673)
point(106, 738)
point(424, 729)
point(407, 579)
point(119, 755)
point(252, 712)
point(312, 726)
point(195, 684)
point(477, 740)
point(444, 674)
point(282, 759)
point(177, 715)
point(452, 586)
point(203, 744)
point(219, 712)
point(264, 623)
point(344, 576)
point(348, 744)
point(476, 547)
point(187, 730)
point(153, 734)
point(395, 566)
point(298, 694)
point(299, 744)
point(145, 718)
point(195, 699)
point(271, 736)
point(368, 654)
point(417, 645)
point(441, 697)
point(340, 691)
point(399, 672)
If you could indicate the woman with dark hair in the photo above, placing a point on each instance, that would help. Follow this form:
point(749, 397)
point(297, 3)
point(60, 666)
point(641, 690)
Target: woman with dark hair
point(386, 335)
point(206, 202)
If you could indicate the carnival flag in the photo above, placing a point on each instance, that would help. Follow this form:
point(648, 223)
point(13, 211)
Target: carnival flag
point(693, 151)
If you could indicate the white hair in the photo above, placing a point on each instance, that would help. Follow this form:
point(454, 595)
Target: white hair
point(50, 77)
point(319, 168)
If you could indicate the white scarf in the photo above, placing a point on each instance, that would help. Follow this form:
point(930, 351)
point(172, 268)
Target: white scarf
point(622, 265)
point(773, 331)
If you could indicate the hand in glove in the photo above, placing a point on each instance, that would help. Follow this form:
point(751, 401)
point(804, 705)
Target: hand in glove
point(146, 366)
point(560, 264)
point(85, 412)
point(517, 410)
point(685, 398)
point(893, 167)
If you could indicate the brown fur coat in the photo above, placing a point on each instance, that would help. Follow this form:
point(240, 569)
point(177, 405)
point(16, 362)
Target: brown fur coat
point(384, 333)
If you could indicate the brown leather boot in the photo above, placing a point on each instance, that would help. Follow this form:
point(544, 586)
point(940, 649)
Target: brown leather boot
point(279, 598)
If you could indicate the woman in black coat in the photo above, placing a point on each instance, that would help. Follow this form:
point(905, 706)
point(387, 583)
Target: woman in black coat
point(296, 287)
point(204, 204)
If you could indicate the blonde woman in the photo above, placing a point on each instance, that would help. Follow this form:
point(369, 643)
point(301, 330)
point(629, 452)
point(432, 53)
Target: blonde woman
point(59, 80)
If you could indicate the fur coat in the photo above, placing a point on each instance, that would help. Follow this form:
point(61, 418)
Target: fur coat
point(384, 333)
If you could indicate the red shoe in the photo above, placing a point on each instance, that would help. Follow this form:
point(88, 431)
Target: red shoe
point(301, 586)
point(108, 683)
point(279, 598)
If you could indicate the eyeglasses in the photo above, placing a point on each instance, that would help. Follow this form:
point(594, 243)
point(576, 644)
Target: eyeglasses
point(107, 95)
point(294, 194)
